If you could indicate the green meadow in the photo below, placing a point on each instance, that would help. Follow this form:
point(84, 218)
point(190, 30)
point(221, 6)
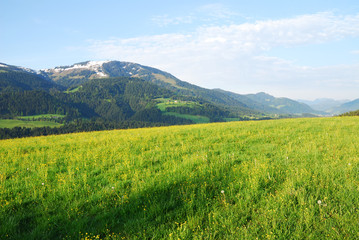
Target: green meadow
point(194, 118)
point(164, 103)
point(278, 179)
point(11, 123)
point(42, 116)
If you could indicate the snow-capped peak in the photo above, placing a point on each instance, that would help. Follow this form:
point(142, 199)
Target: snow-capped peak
point(2, 65)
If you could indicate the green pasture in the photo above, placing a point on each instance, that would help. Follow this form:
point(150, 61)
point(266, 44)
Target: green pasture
point(48, 116)
point(73, 90)
point(278, 179)
point(166, 102)
point(11, 123)
point(194, 118)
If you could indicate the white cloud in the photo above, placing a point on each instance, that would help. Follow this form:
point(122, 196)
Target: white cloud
point(233, 57)
point(203, 14)
point(165, 20)
point(217, 10)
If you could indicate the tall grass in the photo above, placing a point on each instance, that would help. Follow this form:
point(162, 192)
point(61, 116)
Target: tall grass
point(283, 179)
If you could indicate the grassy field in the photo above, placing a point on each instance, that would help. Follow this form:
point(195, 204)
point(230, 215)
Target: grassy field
point(194, 118)
point(282, 179)
point(11, 123)
point(47, 116)
point(164, 103)
point(73, 90)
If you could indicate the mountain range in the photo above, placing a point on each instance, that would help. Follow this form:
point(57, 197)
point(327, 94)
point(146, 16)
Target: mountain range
point(123, 91)
point(78, 73)
point(331, 106)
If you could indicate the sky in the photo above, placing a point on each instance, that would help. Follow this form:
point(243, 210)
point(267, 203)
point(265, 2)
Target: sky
point(301, 49)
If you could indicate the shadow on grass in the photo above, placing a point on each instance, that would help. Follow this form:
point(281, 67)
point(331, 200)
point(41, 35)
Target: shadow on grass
point(145, 214)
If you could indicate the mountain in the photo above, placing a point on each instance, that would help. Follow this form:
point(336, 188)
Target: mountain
point(116, 99)
point(20, 79)
point(324, 104)
point(123, 92)
point(79, 73)
point(250, 103)
point(16, 68)
point(283, 105)
point(333, 107)
point(347, 107)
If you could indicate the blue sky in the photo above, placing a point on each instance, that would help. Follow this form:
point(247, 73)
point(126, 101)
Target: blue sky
point(297, 49)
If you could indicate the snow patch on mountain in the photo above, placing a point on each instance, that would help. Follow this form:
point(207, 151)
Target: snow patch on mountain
point(17, 68)
point(95, 66)
point(101, 74)
point(133, 68)
point(28, 70)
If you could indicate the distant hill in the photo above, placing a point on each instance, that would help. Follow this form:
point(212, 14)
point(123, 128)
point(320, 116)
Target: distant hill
point(327, 105)
point(283, 105)
point(347, 107)
point(333, 107)
point(252, 103)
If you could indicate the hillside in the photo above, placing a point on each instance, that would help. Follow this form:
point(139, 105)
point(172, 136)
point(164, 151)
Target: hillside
point(348, 106)
point(97, 104)
point(289, 179)
point(352, 113)
point(19, 79)
point(23, 92)
point(110, 99)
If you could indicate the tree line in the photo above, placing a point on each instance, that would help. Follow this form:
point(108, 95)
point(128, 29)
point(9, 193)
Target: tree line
point(83, 126)
point(352, 113)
